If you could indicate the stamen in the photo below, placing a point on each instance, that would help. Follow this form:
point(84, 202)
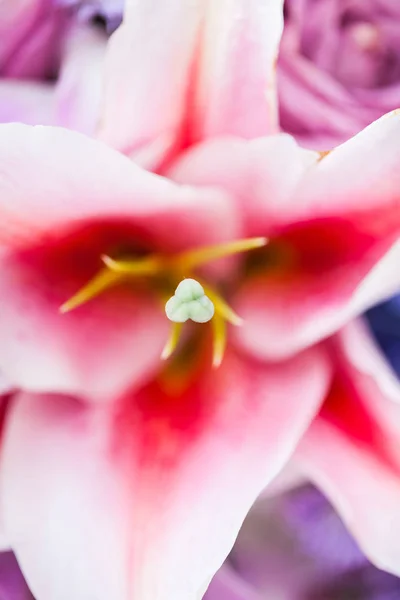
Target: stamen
point(219, 341)
point(195, 258)
point(150, 265)
point(172, 341)
point(192, 300)
point(100, 282)
point(116, 271)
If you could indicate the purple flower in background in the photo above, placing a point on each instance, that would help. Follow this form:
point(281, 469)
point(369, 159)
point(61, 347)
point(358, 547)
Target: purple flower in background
point(295, 547)
point(291, 547)
point(109, 12)
point(339, 67)
point(51, 60)
point(12, 583)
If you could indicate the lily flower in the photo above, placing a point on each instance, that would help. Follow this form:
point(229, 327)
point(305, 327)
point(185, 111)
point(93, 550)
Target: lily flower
point(138, 436)
point(159, 446)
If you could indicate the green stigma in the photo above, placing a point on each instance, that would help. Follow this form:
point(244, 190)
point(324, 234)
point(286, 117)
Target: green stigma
point(189, 302)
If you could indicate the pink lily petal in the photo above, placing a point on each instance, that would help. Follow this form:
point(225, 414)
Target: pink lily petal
point(368, 182)
point(97, 351)
point(289, 478)
point(340, 257)
point(368, 502)
point(332, 225)
point(147, 74)
point(148, 485)
point(54, 180)
point(147, 111)
point(5, 387)
point(237, 68)
point(286, 311)
point(351, 450)
point(64, 201)
point(358, 346)
point(80, 85)
point(261, 174)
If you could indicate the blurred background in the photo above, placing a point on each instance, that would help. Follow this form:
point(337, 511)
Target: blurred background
point(338, 70)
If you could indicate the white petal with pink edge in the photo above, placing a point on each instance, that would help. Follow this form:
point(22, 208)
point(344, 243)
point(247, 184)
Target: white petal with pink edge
point(80, 83)
point(61, 196)
point(53, 180)
point(148, 67)
point(236, 88)
point(145, 501)
point(351, 451)
point(262, 175)
point(283, 315)
point(355, 188)
point(363, 489)
point(359, 176)
point(328, 261)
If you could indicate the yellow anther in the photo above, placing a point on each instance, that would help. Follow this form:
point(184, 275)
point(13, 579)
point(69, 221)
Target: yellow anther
point(173, 340)
point(195, 258)
point(115, 271)
point(149, 265)
point(100, 282)
point(219, 340)
point(178, 265)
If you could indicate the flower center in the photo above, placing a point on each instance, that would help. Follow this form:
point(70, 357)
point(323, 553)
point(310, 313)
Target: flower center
point(193, 298)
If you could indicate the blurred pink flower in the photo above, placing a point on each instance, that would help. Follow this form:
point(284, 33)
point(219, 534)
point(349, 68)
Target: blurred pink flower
point(50, 65)
point(339, 68)
point(116, 466)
